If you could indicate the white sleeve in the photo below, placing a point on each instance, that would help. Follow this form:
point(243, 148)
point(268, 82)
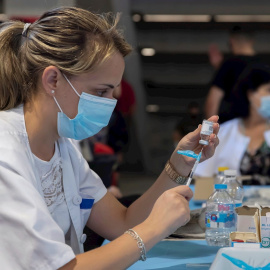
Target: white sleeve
point(267, 137)
point(29, 237)
point(90, 182)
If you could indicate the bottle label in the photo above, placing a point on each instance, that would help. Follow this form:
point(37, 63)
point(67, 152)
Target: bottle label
point(238, 204)
point(225, 217)
point(226, 207)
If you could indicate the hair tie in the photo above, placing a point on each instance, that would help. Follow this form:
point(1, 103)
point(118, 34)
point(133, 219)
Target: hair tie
point(25, 29)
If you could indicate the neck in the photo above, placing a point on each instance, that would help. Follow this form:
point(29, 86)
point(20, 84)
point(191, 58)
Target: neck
point(254, 120)
point(41, 135)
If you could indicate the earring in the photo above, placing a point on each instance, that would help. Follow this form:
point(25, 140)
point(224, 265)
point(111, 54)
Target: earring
point(52, 91)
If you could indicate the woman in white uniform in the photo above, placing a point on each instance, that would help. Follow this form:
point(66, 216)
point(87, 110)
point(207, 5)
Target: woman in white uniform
point(57, 81)
point(245, 140)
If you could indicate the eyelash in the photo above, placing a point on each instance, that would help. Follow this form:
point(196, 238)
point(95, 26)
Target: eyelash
point(101, 92)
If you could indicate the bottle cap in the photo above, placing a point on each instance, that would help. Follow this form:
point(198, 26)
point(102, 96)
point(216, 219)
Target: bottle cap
point(230, 173)
point(222, 169)
point(203, 142)
point(238, 240)
point(220, 186)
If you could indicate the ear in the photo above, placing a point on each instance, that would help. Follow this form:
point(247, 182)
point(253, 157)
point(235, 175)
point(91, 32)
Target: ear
point(50, 79)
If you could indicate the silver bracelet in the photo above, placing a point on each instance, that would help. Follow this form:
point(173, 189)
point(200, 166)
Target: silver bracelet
point(139, 243)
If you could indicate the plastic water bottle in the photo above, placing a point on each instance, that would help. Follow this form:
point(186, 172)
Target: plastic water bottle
point(234, 188)
point(220, 217)
point(220, 175)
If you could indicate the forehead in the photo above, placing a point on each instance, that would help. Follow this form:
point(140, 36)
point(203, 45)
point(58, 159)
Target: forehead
point(263, 89)
point(111, 69)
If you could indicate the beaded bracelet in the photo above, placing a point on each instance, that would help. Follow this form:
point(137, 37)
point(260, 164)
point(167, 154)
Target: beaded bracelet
point(139, 243)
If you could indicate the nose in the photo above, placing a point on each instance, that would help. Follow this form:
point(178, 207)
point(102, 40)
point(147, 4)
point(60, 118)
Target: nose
point(110, 94)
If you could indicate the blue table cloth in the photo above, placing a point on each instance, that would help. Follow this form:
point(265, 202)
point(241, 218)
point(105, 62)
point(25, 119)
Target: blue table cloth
point(172, 255)
point(179, 254)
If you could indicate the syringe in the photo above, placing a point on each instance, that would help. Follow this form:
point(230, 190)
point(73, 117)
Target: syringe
point(194, 168)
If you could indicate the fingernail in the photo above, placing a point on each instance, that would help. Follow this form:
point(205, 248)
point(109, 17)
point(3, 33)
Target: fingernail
point(215, 135)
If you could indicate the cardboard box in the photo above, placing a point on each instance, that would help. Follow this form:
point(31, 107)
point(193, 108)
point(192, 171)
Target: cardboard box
point(247, 219)
point(265, 227)
point(247, 237)
point(255, 219)
point(204, 187)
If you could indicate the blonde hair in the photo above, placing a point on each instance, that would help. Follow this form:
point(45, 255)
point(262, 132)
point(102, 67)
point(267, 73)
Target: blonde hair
point(72, 39)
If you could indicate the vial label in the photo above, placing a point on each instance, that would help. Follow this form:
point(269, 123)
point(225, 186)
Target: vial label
point(207, 127)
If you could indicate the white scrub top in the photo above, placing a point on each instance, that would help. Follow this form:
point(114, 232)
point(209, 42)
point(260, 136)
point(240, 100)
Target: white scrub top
point(230, 151)
point(30, 238)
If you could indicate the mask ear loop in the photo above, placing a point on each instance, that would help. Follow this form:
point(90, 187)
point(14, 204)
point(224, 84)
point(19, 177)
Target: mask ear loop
point(71, 85)
point(56, 101)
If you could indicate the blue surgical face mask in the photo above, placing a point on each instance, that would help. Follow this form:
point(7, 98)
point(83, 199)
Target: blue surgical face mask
point(264, 109)
point(94, 113)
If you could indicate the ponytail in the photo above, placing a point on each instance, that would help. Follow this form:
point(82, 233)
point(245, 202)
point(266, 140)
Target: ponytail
point(12, 92)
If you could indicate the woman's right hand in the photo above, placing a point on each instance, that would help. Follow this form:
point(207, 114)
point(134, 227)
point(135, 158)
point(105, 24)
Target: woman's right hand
point(171, 210)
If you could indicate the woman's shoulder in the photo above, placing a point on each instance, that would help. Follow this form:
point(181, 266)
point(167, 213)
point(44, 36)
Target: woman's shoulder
point(12, 121)
point(230, 125)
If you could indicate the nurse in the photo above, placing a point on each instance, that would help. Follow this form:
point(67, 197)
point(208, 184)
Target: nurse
point(57, 81)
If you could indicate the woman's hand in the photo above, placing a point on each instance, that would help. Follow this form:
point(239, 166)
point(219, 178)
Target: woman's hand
point(171, 210)
point(183, 164)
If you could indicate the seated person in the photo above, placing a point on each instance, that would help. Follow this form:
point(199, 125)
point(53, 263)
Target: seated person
point(244, 141)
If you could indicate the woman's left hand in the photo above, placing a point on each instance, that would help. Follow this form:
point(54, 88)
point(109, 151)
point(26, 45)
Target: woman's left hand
point(183, 164)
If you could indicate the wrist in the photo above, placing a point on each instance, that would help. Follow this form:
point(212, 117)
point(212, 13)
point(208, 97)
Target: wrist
point(174, 175)
point(150, 233)
point(180, 165)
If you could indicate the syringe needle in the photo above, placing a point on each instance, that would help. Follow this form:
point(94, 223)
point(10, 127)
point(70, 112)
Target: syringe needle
point(194, 168)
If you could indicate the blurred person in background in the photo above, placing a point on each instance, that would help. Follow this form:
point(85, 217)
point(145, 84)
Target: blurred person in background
point(245, 140)
point(218, 100)
point(126, 100)
point(130, 157)
point(190, 121)
point(215, 56)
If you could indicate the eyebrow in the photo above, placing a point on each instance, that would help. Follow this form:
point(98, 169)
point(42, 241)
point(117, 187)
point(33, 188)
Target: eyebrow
point(110, 85)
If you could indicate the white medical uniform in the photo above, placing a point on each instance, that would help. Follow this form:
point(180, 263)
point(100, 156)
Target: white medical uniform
point(29, 237)
point(229, 153)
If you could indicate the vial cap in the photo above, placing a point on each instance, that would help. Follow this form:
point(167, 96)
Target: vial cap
point(220, 186)
point(222, 169)
point(203, 142)
point(230, 173)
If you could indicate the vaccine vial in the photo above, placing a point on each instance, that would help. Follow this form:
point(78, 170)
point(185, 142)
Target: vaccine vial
point(206, 131)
